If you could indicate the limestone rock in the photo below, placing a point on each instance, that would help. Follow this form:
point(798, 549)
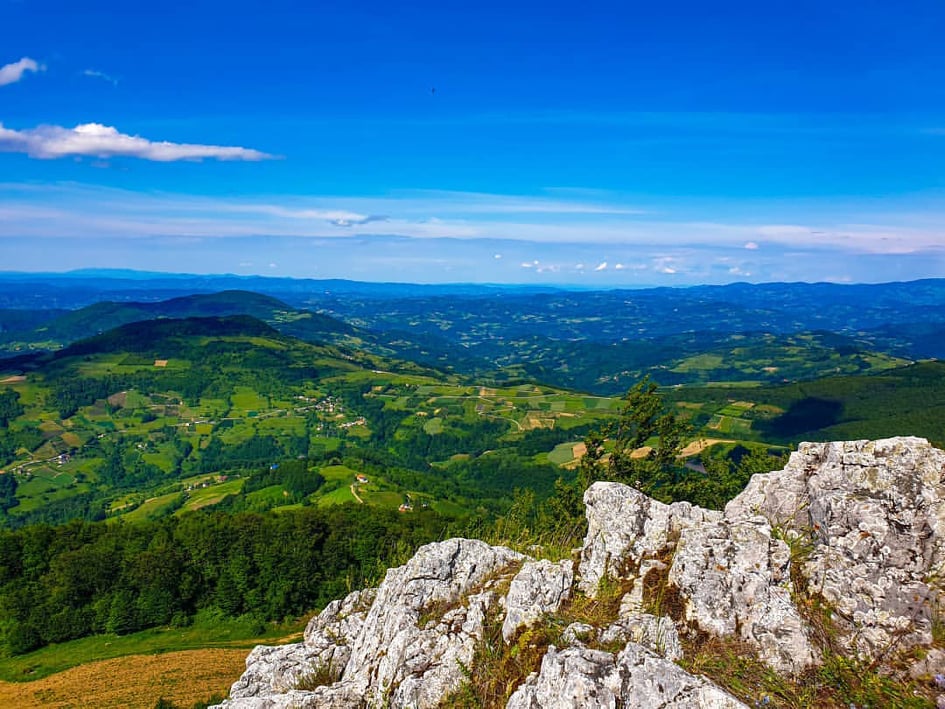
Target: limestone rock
point(624, 526)
point(875, 511)
point(861, 524)
point(655, 634)
point(388, 659)
point(277, 670)
point(636, 678)
point(537, 590)
point(578, 633)
point(574, 677)
point(734, 579)
point(399, 662)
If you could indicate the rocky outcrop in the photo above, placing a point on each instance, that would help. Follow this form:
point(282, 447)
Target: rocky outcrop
point(536, 591)
point(636, 677)
point(625, 527)
point(857, 528)
point(326, 648)
point(873, 515)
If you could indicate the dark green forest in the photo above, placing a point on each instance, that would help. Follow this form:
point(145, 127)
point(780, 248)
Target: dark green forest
point(63, 582)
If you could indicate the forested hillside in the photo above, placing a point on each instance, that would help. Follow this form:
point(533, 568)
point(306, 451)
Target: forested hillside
point(210, 445)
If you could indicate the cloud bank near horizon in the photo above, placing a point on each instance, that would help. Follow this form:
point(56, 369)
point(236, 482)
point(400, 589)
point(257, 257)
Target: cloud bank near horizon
point(74, 210)
point(454, 236)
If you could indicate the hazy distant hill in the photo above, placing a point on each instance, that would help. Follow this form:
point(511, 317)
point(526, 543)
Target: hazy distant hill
point(76, 289)
point(69, 326)
point(598, 341)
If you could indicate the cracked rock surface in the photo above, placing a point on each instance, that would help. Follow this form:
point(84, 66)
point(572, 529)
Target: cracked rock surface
point(875, 513)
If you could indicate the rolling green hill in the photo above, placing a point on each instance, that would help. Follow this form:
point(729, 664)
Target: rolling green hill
point(908, 401)
point(217, 435)
point(68, 327)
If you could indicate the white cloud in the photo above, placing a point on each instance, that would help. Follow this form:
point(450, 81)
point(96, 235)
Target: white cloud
point(601, 266)
point(11, 73)
point(71, 209)
point(497, 256)
point(95, 74)
point(97, 140)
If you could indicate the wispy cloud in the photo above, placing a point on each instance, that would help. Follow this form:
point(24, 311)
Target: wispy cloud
point(97, 140)
point(359, 221)
point(85, 211)
point(11, 73)
point(96, 74)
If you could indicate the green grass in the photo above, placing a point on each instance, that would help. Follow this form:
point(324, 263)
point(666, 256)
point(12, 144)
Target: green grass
point(336, 497)
point(272, 495)
point(730, 425)
point(238, 633)
point(339, 472)
point(698, 363)
point(160, 459)
point(206, 496)
point(433, 426)
point(152, 508)
point(446, 507)
point(563, 453)
point(282, 425)
point(136, 400)
point(382, 498)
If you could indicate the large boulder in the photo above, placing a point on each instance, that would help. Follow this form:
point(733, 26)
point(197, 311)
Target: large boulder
point(407, 650)
point(624, 527)
point(873, 516)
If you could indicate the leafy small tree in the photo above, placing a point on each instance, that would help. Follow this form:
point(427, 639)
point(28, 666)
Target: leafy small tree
point(644, 444)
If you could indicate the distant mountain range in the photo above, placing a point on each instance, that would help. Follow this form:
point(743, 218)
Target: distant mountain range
point(599, 341)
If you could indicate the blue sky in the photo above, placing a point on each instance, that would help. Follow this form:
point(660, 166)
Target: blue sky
point(594, 143)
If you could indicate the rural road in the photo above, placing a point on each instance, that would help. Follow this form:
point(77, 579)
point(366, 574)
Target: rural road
point(354, 491)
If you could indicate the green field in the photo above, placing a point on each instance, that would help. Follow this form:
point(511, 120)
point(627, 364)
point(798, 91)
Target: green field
point(206, 632)
point(210, 495)
point(433, 426)
point(562, 453)
point(152, 508)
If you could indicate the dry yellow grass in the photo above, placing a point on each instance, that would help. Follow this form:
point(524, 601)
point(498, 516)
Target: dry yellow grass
point(135, 681)
point(700, 445)
point(71, 439)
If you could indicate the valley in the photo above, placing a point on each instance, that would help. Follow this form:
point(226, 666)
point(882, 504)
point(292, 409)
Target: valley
point(224, 439)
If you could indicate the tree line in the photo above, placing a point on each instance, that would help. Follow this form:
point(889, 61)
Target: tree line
point(63, 582)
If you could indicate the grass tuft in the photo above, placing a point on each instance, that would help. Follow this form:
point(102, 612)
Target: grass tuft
point(321, 674)
point(497, 669)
